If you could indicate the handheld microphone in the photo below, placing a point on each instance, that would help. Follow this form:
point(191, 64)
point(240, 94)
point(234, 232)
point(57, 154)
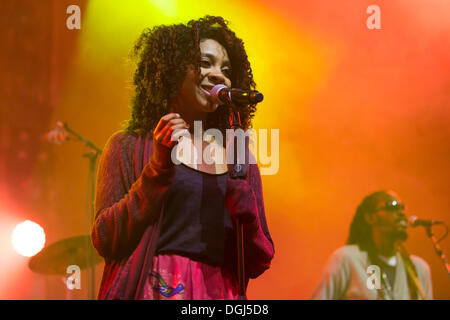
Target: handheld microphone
point(416, 222)
point(221, 94)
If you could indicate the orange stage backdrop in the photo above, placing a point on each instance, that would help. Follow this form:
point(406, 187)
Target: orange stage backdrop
point(357, 110)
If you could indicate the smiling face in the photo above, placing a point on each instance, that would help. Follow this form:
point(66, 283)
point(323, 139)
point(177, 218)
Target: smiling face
point(215, 68)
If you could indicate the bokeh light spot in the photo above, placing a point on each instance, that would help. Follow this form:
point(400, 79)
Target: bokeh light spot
point(28, 238)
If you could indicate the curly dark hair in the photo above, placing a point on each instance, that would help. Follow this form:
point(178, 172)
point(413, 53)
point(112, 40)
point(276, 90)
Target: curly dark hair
point(360, 231)
point(164, 54)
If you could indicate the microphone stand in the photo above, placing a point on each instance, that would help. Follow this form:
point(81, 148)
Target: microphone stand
point(438, 249)
point(92, 155)
point(239, 171)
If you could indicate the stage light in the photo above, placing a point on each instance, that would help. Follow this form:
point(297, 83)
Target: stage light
point(28, 238)
point(168, 7)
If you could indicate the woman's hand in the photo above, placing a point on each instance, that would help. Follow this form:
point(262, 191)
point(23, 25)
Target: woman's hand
point(240, 201)
point(165, 136)
point(167, 126)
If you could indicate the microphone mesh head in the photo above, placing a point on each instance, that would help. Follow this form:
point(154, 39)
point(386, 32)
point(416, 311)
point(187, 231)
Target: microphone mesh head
point(412, 220)
point(215, 92)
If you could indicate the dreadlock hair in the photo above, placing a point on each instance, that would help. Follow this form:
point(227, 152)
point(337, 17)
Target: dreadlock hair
point(360, 231)
point(164, 54)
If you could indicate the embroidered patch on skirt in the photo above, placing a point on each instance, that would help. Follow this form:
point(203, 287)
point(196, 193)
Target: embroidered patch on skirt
point(175, 277)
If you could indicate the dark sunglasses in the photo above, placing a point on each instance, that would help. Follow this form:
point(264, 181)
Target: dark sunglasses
point(393, 205)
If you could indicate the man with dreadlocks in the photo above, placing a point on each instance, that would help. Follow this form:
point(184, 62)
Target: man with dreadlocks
point(166, 231)
point(374, 249)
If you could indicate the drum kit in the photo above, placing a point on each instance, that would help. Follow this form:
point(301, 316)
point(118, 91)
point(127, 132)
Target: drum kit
point(55, 258)
point(59, 257)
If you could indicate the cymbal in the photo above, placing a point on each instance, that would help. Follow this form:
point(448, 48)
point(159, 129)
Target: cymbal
point(55, 258)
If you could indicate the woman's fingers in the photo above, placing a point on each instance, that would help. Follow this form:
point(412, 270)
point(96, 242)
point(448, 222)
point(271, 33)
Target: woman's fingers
point(171, 130)
point(167, 130)
point(164, 120)
point(177, 133)
point(167, 126)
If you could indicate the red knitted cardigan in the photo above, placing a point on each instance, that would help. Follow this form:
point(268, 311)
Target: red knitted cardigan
point(128, 213)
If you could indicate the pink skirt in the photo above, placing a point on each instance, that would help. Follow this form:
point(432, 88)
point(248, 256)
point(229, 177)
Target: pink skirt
point(175, 277)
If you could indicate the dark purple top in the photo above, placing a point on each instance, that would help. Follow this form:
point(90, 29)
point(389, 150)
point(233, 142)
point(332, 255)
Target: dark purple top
point(196, 223)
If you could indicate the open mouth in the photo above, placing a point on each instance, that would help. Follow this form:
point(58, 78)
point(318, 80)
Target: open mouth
point(206, 89)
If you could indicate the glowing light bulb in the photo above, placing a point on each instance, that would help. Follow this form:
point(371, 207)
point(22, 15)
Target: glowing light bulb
point(28, 238)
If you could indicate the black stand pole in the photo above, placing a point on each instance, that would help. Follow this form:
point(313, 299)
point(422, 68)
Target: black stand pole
point(92, 155)
point(239, 171)
point(438, 249)
point(240, 254)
